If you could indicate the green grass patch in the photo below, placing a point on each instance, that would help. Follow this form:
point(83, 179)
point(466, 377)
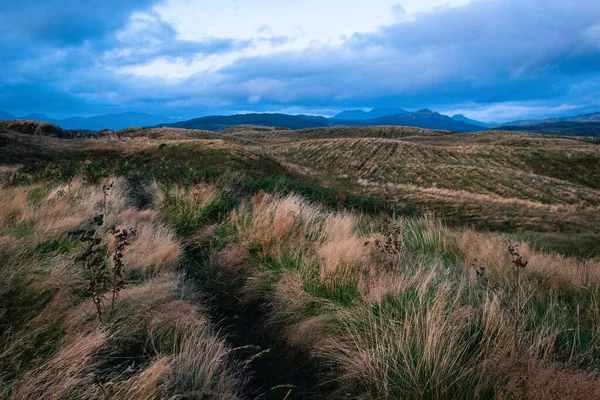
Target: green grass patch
point(583, 246)
point(187, 216)
point(20, 305)
point(280, 264)
point(24, 228)
point(345, 296)
point(61, 244)
point(429, 239)
point(36, 196)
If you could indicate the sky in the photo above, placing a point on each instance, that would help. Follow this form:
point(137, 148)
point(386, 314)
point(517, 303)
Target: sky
point(492, 60)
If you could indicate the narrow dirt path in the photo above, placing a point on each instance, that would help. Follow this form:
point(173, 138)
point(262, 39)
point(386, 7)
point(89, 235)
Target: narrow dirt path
point(275, 371)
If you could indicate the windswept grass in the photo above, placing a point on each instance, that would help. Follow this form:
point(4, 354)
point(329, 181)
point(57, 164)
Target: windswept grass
point(379, 304)
point(399, 312)
point(158, 344)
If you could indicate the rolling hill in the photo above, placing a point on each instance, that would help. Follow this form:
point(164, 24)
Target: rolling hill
point(328, 262)
point(423, 119)
point(219, 122)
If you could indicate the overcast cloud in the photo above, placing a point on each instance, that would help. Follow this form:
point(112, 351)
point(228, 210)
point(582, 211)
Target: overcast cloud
point(490, 59)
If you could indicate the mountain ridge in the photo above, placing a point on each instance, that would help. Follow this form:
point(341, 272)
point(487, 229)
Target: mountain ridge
point(562, 128)
point(115, 121)
point(377, 112)
point(583, 118)
point(423, 119)
point(463, 118)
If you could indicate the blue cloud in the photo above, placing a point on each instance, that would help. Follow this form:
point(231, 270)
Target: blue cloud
point(539, 52)
point(66, 22)
point(485, 52)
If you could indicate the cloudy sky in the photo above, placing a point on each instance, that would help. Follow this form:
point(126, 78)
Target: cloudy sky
point(493, 60)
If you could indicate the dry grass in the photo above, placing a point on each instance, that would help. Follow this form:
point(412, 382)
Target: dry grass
point(288, 225)
point(421, 353)
point(487, 179)
point(399, 312)
point(56, 347)
point(537, 382)
point(342, 253)
point(149, 383)
point(392, 309)
point(155, 245)
point(66, 374)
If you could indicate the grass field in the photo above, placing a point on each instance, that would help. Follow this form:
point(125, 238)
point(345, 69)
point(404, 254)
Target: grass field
point(367, 263)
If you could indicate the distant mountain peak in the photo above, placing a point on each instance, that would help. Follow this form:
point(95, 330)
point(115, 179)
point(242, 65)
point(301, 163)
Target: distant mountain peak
point(377, 112)
point(6, 116)
point(463, 118)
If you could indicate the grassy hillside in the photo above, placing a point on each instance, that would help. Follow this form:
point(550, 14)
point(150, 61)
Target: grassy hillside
point(271, 264)
point(497, 181)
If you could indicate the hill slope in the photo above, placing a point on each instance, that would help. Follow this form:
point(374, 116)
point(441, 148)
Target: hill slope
point(101, 122)
point(218, 122)
point(422, 118)
point(147, 267)
point(593, 117)
point(33, 128)
point(491, 180)
point(560, 128)
point(462, 118)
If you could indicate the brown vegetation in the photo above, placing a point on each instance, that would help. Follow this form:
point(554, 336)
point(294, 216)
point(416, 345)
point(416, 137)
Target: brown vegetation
point(165, 344)
point(384, 306)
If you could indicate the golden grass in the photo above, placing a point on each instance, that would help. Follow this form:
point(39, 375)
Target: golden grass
point(149, 383)
point(421, 353)
point(420, 324)
point(489, 250)
point(342, 254)
point(154, 244)
point(65, 374)
point(411, 320)
point(282, 225)
point(488, 179)
point(185, 357)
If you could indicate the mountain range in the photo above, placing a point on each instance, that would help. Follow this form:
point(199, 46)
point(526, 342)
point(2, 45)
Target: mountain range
point(575, 125)
point(462, 118)
point(422, 118)
point(218, 122)
point(564, 128)
point(95, 123)
point(593, 117)
point(373, 114)
point(377, 116)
